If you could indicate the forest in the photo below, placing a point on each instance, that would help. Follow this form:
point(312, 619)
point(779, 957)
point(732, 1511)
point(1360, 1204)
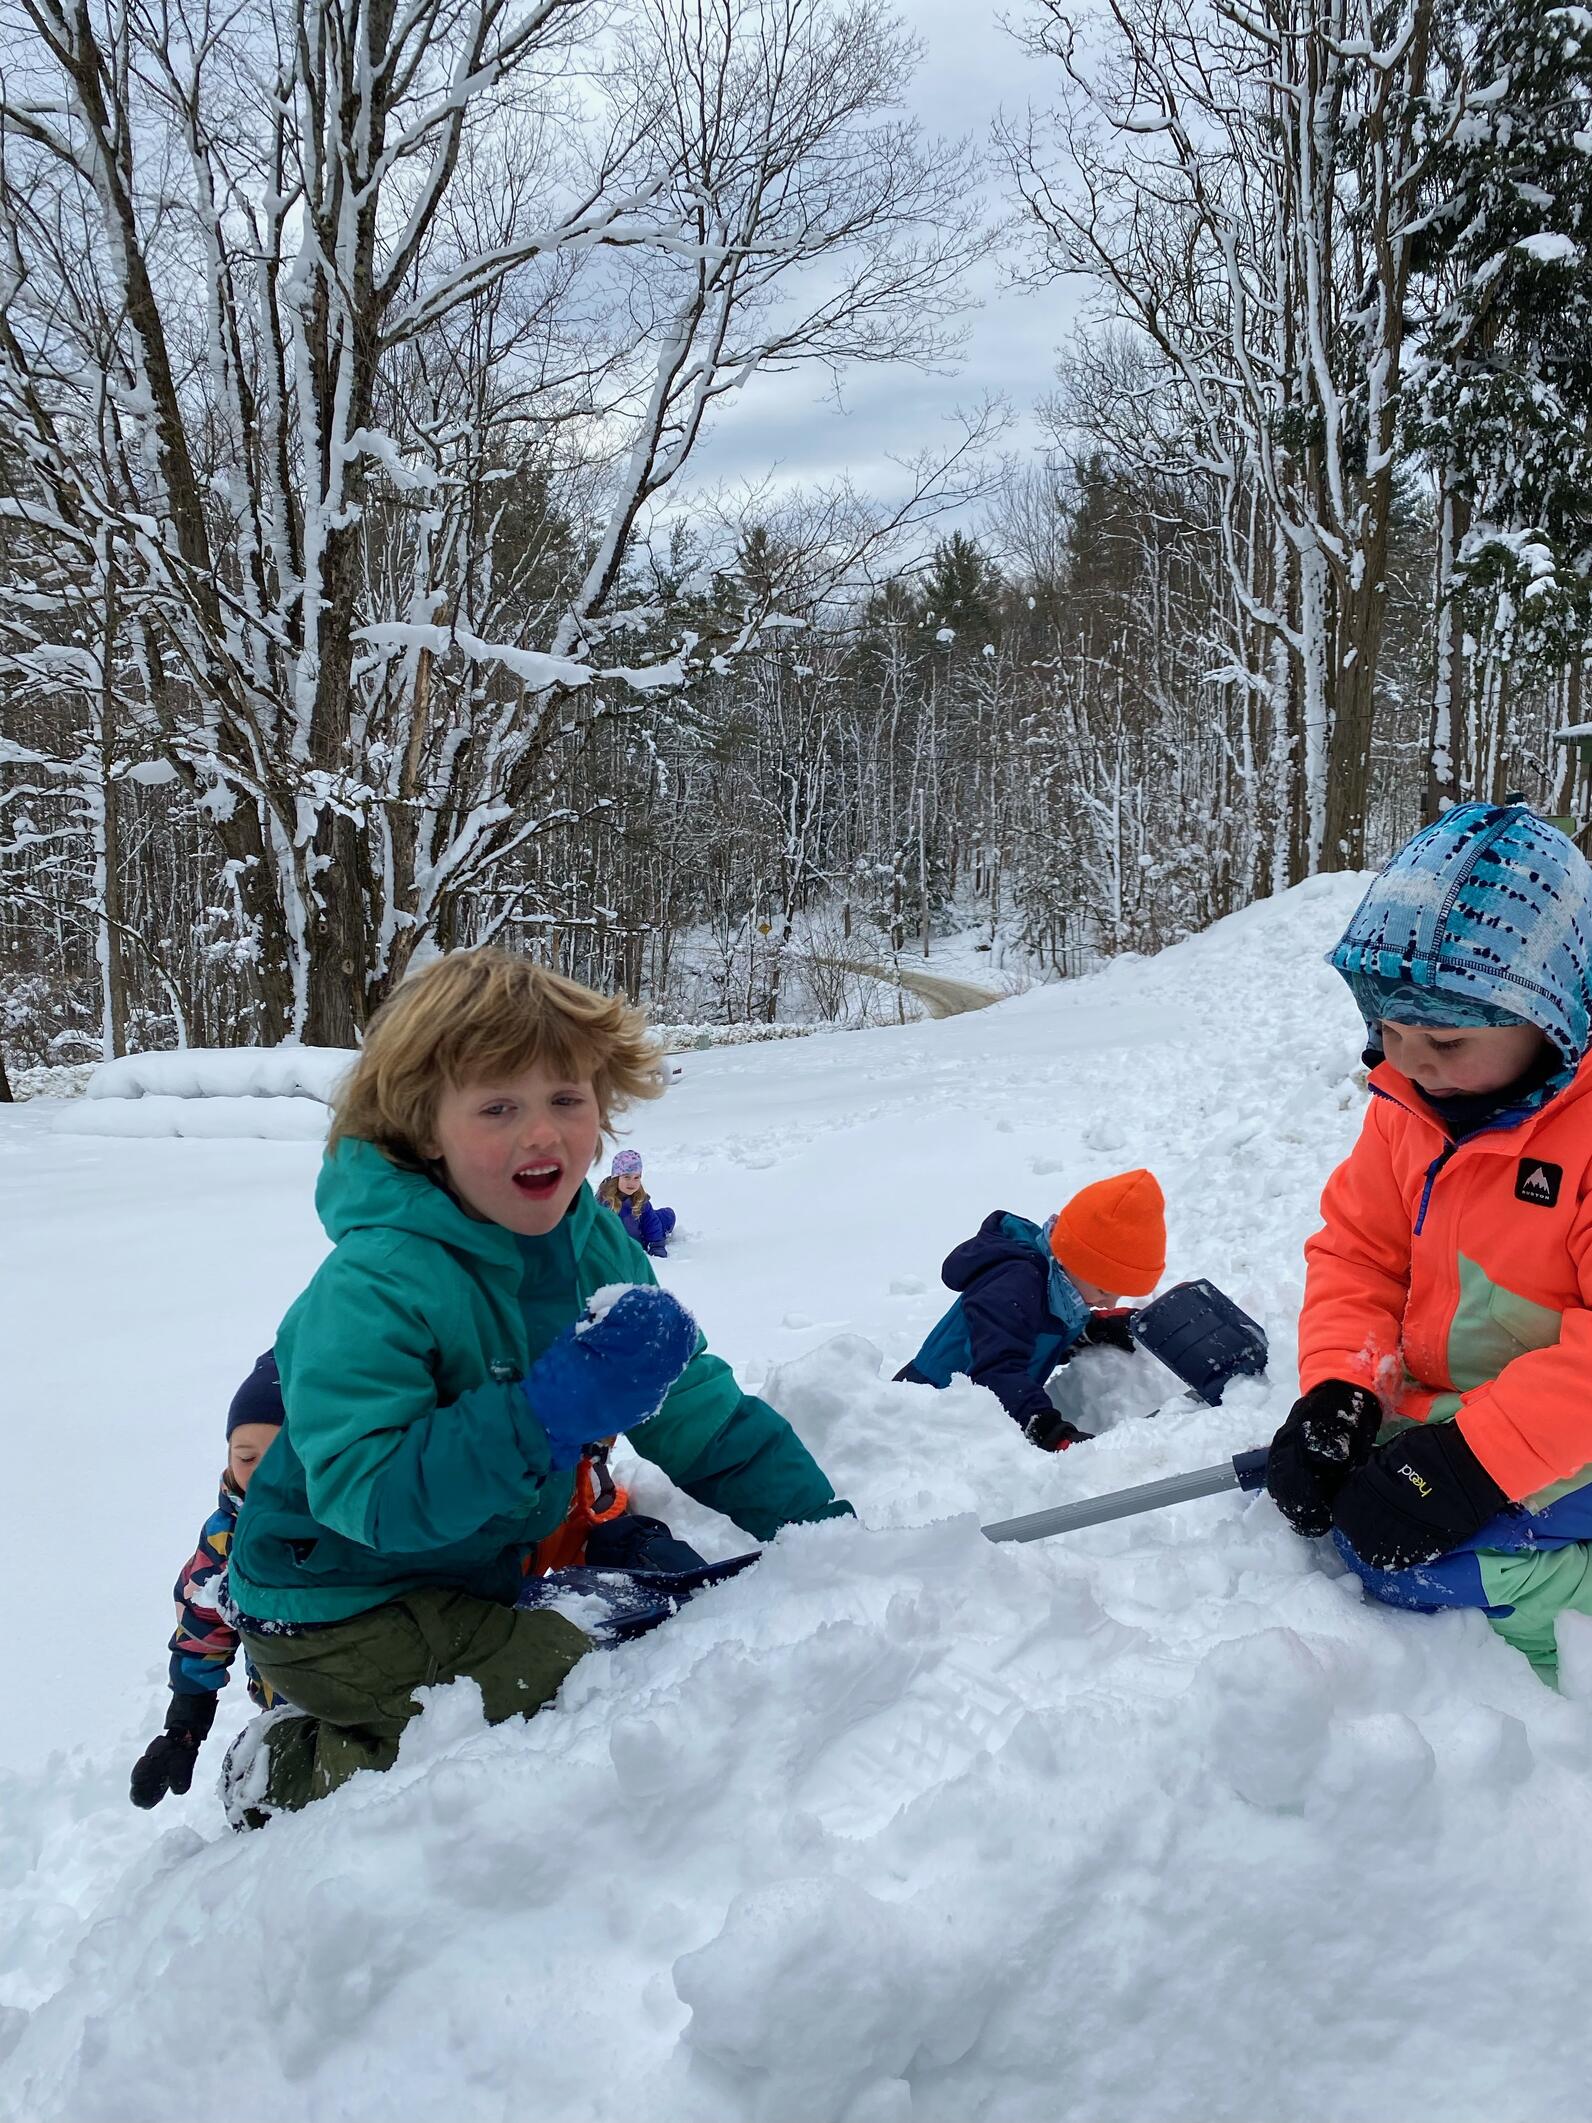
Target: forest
point(358, 599)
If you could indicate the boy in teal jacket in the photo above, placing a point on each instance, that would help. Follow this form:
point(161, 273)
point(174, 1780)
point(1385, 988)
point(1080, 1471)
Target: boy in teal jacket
point(449, 1365)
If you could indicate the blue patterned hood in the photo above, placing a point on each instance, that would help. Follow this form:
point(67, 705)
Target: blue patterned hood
point(1490, 908)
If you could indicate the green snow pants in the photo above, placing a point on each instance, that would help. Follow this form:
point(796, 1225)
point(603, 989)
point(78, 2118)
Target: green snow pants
point(1522, 1591)
point(1526, 1594)
point(353, 1682)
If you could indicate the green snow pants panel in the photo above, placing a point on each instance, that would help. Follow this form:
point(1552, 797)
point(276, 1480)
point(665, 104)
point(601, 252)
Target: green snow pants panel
point(1526, 1594)
point(354, 1681)
point(1521, 1590)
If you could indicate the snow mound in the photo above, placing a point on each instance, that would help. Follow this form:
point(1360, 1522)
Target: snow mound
point(900, 1825)
point(225, 1072)
point(289, 1119)
point(1159, 1820)
point(272, 1094)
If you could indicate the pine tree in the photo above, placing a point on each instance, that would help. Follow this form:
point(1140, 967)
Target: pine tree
point(962, 590)
point(1505, 383)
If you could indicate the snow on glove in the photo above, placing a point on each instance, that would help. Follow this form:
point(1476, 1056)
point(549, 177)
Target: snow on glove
point(1421, 1493)
point(611, 1370)
point(1329, 1433)
point(166, 1764)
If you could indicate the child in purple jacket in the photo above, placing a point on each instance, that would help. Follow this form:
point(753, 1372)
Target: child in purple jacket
point(623, 1192)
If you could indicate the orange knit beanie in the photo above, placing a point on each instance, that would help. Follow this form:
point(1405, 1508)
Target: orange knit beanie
point(1114, 1234)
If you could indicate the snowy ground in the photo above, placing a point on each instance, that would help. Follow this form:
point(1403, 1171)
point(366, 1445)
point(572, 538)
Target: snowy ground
point(1156, 1821)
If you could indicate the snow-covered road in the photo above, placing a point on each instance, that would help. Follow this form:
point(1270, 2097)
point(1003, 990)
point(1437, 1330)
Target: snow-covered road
point(1157, 1821)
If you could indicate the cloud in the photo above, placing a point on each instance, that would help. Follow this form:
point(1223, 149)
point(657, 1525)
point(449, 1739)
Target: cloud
point(796, 427)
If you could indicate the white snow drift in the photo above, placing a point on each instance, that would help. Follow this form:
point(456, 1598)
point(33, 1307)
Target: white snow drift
point(1158, 1821)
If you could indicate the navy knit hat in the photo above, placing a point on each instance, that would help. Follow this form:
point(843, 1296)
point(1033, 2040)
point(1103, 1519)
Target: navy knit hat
point(259, 1398)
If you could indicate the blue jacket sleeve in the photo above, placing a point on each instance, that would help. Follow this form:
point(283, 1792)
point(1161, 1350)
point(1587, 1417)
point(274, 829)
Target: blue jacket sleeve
point(384, 1463)
point(1006, 1313)
point(203, 1646)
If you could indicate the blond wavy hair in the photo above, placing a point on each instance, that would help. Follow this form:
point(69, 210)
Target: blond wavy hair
point(476, 1017)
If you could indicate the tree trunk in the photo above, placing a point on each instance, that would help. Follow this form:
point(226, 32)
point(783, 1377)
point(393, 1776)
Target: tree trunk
point(108, 852)
point(1444, 765)
point(338, 944)
point(1359, 634)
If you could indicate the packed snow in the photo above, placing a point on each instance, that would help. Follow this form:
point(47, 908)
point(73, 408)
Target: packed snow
point(230, 1072)
point(1157, 1820)
point(212, 1118)
point(279, 1094)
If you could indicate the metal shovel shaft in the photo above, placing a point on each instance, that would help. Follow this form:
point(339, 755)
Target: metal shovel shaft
point(1247, 1471)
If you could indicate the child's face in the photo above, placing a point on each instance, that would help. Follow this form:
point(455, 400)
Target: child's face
point(1461, 1061)
point(629, 1182)
point(1094, 1297)
point(246, 1447)
point(516, 1150)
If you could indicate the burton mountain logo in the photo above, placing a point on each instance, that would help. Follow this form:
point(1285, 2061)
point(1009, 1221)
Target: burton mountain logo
point(1538, 1182)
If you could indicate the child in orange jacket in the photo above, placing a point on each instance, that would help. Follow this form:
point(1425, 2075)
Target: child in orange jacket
point(1444, 1433)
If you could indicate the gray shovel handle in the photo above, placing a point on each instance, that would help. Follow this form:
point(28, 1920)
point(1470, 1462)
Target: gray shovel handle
point(1246, 1470)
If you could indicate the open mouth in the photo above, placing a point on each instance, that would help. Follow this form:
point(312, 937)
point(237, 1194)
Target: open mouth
point(538, 1182)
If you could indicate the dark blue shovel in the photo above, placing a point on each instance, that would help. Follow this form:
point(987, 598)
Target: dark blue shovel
point(1201, 1335)
point(634, 1600)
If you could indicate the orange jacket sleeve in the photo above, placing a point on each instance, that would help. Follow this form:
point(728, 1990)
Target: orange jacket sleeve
point(1532, 1424)
point(1357, 1270)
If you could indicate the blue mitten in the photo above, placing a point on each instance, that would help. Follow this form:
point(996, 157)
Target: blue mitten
point(611, 1370)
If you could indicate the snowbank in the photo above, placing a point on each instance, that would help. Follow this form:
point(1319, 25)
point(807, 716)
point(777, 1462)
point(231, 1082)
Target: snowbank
point(272, 1094)
point(678, 1039)
point(275, 1094)
point(224, 1072)
point(1158, 1821)
point(288, 1119)
point(51, 1080)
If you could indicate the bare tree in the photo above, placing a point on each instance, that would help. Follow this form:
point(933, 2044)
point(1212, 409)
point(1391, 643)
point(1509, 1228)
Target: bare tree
point(1243, 185)
point(364, 339)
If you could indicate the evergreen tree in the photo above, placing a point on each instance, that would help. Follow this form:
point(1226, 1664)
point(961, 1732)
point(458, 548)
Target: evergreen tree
point(1505, 384)
point(962, 590)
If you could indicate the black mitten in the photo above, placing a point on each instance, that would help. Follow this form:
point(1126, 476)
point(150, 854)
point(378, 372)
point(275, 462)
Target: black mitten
point(1422, 1493)
point(1329, 1432)
point(166, 1764)
point(1110, 1330)
point(1051, 1431)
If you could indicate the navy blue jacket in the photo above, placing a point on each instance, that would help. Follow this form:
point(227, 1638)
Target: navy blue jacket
point(1018, 1317)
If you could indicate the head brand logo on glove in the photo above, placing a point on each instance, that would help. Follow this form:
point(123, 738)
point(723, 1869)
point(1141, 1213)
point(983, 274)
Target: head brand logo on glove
point(1415, 1478)
point(1538, 1182)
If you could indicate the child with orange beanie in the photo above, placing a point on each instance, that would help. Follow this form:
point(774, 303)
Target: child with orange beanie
point(1029, 1294)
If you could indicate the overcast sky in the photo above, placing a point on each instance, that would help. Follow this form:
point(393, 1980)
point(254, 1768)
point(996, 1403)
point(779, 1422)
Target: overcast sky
point(790, 425)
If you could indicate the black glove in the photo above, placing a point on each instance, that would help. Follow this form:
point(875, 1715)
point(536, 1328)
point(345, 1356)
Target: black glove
point(1329, 1432)
point(166, 1764)
point(1110, 1330)
point(1051, 1431)
point(1422, 1493)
